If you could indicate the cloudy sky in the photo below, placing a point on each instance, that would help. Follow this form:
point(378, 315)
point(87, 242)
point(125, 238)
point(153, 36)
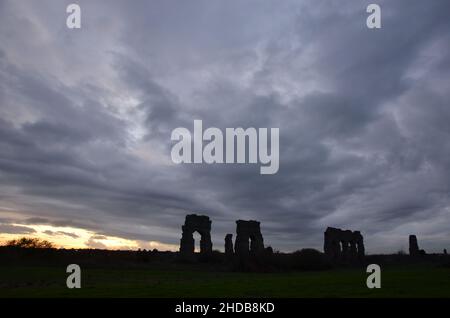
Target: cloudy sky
point(86, 117)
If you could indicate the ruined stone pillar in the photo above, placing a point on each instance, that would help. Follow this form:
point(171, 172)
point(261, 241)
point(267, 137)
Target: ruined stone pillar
point(359, 240)
point(413, 246)
point(187, 244)
point(246, 231)
point(345, 249)
point(336, 248)
point(332, 245)
point(327, 249)
point(205, 243)
point(229, 245)
point(353, 250)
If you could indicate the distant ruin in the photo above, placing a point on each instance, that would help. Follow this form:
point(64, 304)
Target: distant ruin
point(414, 247)
point(340, 246)
point(202, 225)
point(343, 245)
point(249, 239)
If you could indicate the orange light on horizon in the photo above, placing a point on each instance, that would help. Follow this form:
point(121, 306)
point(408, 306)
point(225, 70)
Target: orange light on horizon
point(71, 237)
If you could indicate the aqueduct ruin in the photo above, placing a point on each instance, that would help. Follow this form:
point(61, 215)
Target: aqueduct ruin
point(249, 239)
point(339, 245)
point(202, 225)
point(343, 245)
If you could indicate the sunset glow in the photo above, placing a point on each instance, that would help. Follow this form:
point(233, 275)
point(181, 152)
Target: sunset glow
point(71, 237)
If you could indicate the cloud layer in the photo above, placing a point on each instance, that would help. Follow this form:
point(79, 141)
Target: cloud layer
point(86, 117)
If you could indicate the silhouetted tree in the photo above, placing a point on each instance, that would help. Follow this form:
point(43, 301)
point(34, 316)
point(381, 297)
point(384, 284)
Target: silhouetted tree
point(308, 259)
point(26, 242)
point(401, 252)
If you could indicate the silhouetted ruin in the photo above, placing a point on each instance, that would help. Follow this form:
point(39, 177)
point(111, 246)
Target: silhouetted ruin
point(343, 245)
point(249, 239)
point(229, 251)
point(200, 224)
point(414, 247)
point(247, 254)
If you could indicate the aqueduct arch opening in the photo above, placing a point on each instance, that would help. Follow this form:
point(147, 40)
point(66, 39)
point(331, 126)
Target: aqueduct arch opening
point(200, 224)
point(248, 238)
point(343, 245)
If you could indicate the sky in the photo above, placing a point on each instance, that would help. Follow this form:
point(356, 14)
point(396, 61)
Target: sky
point(86, 117)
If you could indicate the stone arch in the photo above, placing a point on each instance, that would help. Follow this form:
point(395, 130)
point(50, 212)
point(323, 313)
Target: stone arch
point(332, 243)
point(359, 244)
point(248, 238)
point(343, 245)
point(200, 224)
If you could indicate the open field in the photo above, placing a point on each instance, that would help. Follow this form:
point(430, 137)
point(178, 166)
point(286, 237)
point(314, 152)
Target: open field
point(408, 281)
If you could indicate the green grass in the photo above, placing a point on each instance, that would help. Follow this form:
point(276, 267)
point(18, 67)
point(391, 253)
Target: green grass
point(50, 282)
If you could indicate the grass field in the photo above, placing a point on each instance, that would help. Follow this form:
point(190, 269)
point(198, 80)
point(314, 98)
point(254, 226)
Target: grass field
point(50, 282)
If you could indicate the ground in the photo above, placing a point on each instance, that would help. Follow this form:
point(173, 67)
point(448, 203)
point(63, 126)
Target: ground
point(405, 281)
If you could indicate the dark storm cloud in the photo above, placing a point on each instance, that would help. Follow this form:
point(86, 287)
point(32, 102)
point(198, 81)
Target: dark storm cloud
point(15, 229)
point(86, 117)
